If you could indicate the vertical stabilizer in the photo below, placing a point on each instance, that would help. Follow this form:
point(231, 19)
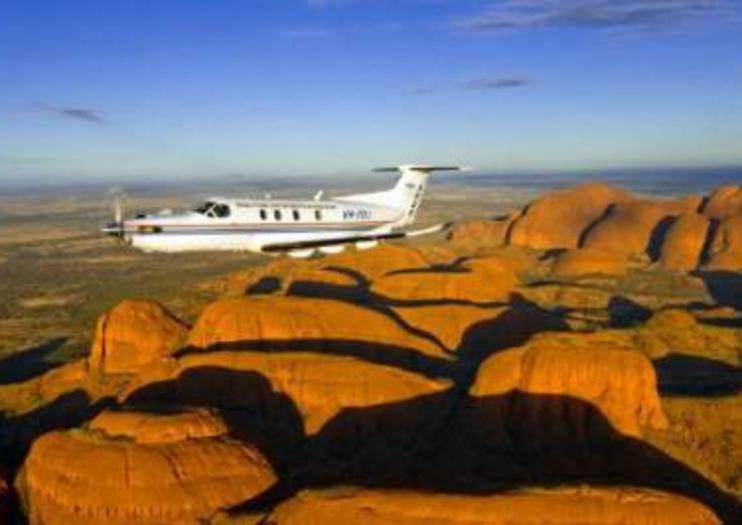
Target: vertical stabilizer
point(407, 194)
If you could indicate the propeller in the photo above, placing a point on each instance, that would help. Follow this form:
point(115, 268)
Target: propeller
point(116, 228)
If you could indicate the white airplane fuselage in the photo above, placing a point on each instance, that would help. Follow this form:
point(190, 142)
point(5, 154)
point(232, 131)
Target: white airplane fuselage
point(257, 225)
point(252, 224)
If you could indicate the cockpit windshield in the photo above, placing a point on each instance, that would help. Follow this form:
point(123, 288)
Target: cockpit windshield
point(213, 209)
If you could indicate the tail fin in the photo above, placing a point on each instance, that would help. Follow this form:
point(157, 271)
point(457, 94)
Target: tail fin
point(407, 194)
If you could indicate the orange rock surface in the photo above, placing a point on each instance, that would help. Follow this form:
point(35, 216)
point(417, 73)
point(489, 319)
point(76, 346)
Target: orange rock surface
point(89, 476)
point(492, 285)
point(382, 260)
point(684, 242)
point(143, 427)
point(559, 219)
point(724, 202)
point(320, 386)
point(586, 261)
point(481, 231)
point(133, 334)
point(620, 383)
point(633, 227)
point(587, 506)
point(726, 249)
point(267, 322)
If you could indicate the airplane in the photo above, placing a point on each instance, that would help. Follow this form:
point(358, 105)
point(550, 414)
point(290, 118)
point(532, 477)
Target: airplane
point(297, 227)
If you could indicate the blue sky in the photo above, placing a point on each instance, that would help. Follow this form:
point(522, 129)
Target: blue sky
point(134, 89)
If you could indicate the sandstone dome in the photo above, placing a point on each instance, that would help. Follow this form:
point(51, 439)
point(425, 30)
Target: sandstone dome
point(559, 219)
point(140, 467)
point(133, 334)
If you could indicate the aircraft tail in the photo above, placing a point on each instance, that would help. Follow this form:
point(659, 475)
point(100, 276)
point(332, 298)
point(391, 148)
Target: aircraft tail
point(407, 193)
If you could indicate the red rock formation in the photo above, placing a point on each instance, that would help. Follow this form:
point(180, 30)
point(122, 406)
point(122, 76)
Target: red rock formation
point(631, 227)
point(132, 335)
point(724, 202)
point(586, 261)
point(620, 383)
point(131, 468)
point(559, 219)
point(726, 249)
point(320, 386)
point(492, 285)
point(684, 242)
point(481, 231)
point(371, 264)
point(264, 320)
point(584, 505)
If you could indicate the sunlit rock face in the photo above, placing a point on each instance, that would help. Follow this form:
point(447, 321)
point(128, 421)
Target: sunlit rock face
point(634, 227)
point(726, 249)
point(559, 219)
point(723, 202)
point(472, 232)
point(683, 245)
point(589, 261)
point(317, 386)
point(488, 285)
point(272, 322)
point(133, 334)
point(588, 506)
point(140, 468)
point(619, 382)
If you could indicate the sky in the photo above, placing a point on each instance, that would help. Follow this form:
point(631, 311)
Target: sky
point(124, 90)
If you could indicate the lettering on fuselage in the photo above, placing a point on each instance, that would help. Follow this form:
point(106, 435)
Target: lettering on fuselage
point(356, 215)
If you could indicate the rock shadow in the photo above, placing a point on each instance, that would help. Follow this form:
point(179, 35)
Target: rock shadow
point(452, 443)
point(70, 410)
point(688, 375)
point(252, 410)
point(657, 237)
point(29, 363)
point(409, 359)
point(724, 286)
point(625, 313)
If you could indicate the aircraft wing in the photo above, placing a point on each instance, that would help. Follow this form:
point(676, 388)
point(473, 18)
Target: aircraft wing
point(305, 245)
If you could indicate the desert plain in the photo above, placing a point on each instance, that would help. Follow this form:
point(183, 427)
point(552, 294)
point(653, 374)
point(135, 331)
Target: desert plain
point(568, 356)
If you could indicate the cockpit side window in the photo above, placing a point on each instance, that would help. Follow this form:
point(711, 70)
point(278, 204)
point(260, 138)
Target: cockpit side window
point(221, 210)
point(204, 208)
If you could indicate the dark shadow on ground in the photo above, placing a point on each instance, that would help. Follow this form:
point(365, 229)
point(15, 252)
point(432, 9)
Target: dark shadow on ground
point(408, 359)
point(724, 286)
point(689, 375)
point(451, 443)
point(245, 399)
point(657, 237)
point(17, 432)
point(625, 313)
point(29, 363)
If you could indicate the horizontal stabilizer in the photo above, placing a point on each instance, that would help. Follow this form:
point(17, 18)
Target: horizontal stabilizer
point(421, 169)
point(304, 245)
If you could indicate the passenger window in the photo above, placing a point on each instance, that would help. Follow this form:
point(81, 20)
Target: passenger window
point(318, 215)
point(277, 214)
point(296, 215)
point(263, 215)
